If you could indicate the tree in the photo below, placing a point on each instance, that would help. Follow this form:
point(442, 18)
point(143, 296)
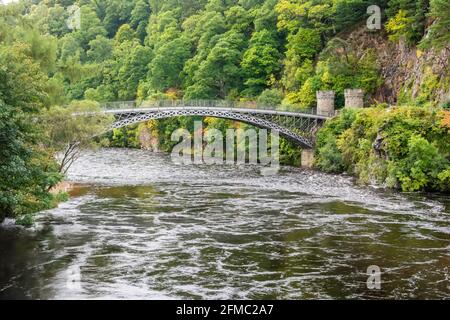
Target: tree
point(100, 49)
point(167, 65)
point(265, 17)
point(72, 129)
point(139, 18)
point(203, 31)
point(270, 97)
point(163, 26)
point(57, 20)
point(406, 19)
point(439, 32)
point(69, 47)
point(261, 62)
point(302, 48)
point(296, 14)
point(41, 49)
point(129, 67)
point(26, 170)
point(125, 33)
point(239, 19)
point(90, 27)
point(421, 167)
point(116, 13)
point(221, 70)
point(342, 66)
point(349, 12)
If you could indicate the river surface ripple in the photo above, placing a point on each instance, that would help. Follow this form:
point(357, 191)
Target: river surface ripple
point(141, 227)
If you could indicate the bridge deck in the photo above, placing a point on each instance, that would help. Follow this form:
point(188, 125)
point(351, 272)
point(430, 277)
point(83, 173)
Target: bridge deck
point(299, 127)
point(238, 110)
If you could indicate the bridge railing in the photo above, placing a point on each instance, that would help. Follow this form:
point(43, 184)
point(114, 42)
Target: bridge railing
point(201, 104)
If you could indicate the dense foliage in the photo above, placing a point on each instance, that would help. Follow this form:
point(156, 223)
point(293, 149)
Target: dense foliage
point(213, 49)
point(27, 170)
point(222, 49)
point(29, 137)
point(401, 147)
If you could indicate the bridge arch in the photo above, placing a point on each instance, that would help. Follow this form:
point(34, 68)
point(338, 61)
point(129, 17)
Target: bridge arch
point(296, 127)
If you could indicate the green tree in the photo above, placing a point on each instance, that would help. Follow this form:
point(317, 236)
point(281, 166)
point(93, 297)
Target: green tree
point(116, 13)
point(100, 49)
point(139, 18)
point(167, 65)
point(90, 27)
point(125, 33)
point(302, 48)
point(296, 14)
point(420, 169)
point(130, 66)
point(221, 70)
point(406, 19)
point(26, 170)
point(271, 97)
point(439, 33)
point(261, 62)
point(72, 129)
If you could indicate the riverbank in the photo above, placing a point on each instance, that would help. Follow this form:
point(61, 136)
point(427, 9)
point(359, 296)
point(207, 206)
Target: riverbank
point(403, 148)
point(62, 187)
point(57, 195)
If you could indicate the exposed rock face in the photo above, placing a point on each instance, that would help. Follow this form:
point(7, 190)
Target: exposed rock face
point(147, 140)
point(379, 146)
point(404, 69)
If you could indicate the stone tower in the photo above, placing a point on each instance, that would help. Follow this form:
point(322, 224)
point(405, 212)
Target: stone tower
point(354, 98)
point(325, 103)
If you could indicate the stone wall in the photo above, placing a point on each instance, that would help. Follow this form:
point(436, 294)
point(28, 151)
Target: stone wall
point(307, 158)
point(354, 98)
point(325, 103)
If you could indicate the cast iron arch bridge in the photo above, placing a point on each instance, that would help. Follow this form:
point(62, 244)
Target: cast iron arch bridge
point(298, 127)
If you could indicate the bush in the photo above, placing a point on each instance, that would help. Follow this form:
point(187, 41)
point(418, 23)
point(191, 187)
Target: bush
point(290, 154)
point(59, 197)
point(26, 220)
point(330, 159)
point(420, 169)
point(401, 147)
point(328, 156)
point(270, 97)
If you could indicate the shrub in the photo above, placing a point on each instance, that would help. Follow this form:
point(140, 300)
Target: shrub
point(270, 97)
point(401, 147)
point(26, 220)
point(420, 169)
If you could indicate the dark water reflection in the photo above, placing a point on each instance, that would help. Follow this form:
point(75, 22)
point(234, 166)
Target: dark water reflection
point(139, 226)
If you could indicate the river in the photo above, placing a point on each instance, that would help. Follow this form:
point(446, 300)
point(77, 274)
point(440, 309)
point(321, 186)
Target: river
point(141, 227)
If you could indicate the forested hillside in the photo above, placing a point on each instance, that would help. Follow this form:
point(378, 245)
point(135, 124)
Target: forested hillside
point(277, 50)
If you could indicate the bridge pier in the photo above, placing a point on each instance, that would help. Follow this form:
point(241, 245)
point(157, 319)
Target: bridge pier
point(307, 158)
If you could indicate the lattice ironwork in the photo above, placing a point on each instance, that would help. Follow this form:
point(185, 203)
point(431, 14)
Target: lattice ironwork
point(297, 127)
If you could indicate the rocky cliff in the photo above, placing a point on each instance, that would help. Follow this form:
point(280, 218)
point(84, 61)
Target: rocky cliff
point(410, 75)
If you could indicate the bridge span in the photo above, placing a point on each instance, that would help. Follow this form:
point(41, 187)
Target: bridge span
point(297, 126)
